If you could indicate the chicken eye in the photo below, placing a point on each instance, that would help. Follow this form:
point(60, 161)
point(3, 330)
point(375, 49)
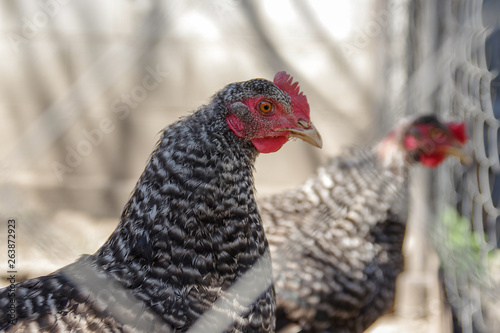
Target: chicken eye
point(265, 107)
point(438, 135)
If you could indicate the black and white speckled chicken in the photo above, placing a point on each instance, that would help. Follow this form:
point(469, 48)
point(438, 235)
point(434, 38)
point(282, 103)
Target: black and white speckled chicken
point(336, 241)
point(190, 229)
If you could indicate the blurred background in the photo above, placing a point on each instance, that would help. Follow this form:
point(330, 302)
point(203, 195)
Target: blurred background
point(86, 86)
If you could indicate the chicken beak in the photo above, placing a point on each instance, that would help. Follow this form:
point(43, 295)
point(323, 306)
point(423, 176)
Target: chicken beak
point(459, 152)
point(306, 132)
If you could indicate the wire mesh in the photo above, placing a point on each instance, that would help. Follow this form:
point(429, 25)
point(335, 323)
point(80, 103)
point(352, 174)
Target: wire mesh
point(467, 198)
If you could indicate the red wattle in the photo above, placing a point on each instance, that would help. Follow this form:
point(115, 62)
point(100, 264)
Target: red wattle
point(431, 161)
point(270, 144)
point(263, 145)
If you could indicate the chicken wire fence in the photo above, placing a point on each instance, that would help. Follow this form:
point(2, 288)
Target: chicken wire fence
point(448, 41)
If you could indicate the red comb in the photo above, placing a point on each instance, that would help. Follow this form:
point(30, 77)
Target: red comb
point(458, 131)
point(285, 82)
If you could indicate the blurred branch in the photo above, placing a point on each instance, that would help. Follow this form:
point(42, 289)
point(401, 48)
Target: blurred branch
point(334, 51)
point(278, 62)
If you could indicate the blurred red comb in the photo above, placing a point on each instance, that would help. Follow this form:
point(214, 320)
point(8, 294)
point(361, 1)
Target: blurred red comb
point(285, 82)
point(458, 131)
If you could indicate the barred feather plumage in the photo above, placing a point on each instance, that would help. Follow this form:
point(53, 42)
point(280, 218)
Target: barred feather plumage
point(328, 260)
point(190, 229)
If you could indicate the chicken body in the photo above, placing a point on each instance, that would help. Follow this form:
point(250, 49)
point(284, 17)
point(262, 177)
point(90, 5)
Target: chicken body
point(336, 247)
point(336, 241)
point(190, 229)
